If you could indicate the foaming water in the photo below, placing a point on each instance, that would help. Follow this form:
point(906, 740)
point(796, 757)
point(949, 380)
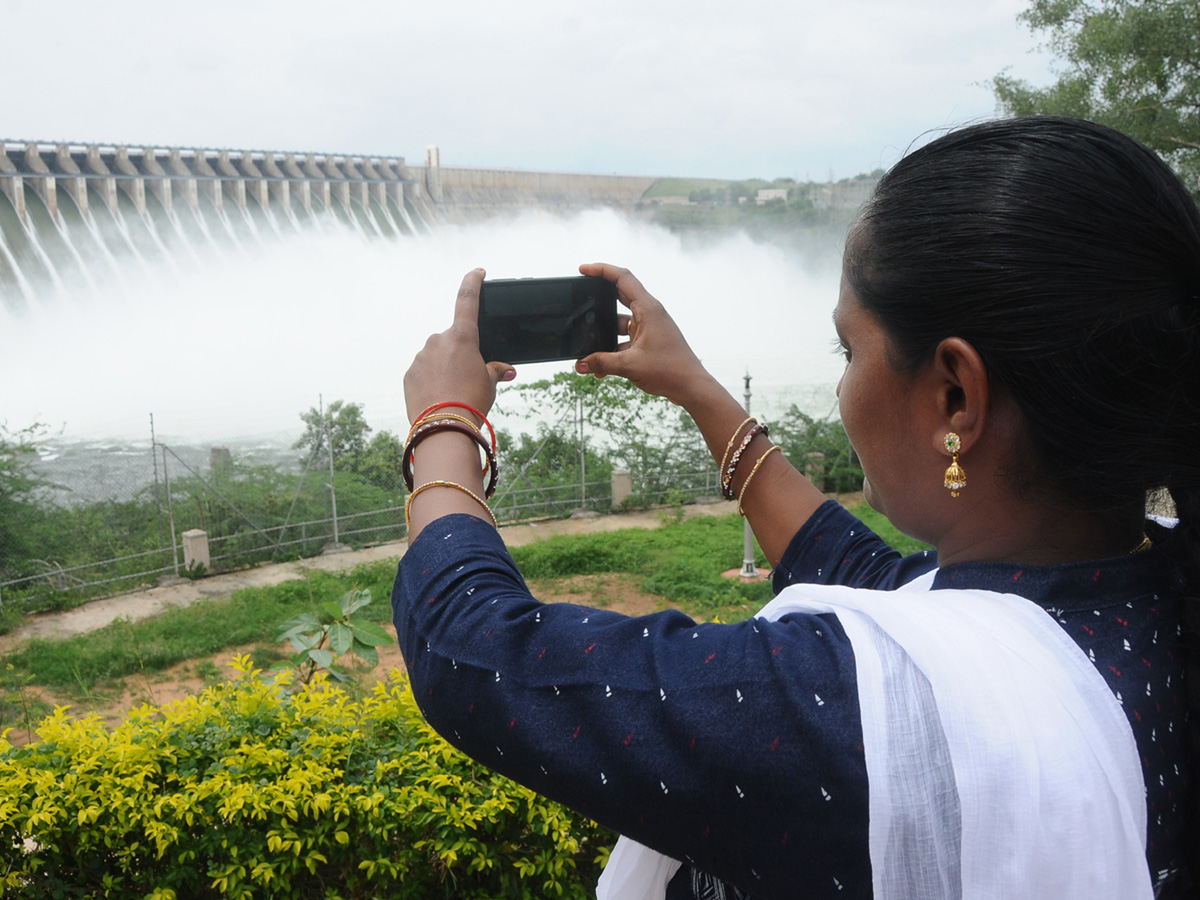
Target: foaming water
point(217, 346)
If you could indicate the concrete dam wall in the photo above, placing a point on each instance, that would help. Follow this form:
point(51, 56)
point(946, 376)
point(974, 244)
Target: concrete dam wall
point(480, 188)
point(465, 193)
point(90, 173)
point(75, 215)
point(293, 183)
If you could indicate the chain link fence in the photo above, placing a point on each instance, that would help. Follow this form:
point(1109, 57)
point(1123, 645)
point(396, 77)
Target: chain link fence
point(81, 519)
point(106, 517)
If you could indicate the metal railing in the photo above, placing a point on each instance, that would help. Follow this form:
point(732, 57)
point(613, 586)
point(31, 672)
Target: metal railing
point(309, 537)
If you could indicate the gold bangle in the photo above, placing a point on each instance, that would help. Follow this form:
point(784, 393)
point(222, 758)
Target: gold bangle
point(417, 424)
point(734, 461)
point(725, 456)
point(448, 484)
point(746, 483)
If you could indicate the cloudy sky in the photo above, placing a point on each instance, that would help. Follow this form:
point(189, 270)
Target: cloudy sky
point(757, 88)
point(653, 87)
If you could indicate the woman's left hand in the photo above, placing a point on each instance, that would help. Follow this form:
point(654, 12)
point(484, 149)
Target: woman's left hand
point(449, 366)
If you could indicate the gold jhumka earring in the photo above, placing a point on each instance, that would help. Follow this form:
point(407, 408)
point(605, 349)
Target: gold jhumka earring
point(956, 478)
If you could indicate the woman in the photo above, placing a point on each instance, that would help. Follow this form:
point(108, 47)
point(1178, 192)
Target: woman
point(1019, 311)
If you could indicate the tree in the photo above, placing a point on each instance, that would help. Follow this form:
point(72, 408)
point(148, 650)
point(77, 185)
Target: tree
point(819, 449)
point(380, 462)
point(738, 190)
point(345, 424)
point(1131, 64)
point(19, 487)
point(647, 435)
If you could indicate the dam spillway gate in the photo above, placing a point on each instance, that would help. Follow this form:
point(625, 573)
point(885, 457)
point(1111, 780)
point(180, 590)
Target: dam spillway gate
point(70, 212)
point(292, 181)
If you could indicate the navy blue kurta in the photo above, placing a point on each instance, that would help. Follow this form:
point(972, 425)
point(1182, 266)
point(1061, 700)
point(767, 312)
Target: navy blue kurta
point(738, 748)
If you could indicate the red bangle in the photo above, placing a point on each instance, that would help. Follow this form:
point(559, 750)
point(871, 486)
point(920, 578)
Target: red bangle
point(447, 403)
point(433, 427)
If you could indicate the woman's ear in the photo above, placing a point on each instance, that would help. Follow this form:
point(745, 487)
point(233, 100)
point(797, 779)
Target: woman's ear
point(963, 393)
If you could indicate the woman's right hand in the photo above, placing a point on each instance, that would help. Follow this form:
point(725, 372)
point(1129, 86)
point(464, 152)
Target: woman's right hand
point(449, 366)
point(656, 358)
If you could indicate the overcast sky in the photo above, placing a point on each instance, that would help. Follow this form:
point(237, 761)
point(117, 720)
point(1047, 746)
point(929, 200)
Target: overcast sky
point(651, 87)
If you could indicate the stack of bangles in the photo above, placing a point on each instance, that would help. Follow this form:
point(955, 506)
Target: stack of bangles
point(434, 420)
point(731, 458)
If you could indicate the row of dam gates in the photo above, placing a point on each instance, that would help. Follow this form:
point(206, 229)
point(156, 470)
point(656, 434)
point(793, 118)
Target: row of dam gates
point(71, 213)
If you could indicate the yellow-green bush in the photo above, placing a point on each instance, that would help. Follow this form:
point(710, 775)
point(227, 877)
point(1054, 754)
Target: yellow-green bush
point(250, 791)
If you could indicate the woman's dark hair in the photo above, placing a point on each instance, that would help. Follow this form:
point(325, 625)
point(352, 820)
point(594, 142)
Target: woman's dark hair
point(1068, 255)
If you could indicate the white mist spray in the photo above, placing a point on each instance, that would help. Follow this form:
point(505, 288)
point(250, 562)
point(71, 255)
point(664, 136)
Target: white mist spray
point(218, 346)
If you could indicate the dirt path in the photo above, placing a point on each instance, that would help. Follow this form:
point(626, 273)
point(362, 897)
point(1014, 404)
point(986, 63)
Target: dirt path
point(619, 592)
point(152, 601)
point(113, 701)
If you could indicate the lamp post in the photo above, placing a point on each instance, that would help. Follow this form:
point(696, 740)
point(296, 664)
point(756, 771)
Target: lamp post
point(749, 570)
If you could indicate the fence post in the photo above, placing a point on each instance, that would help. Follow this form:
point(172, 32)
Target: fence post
point(582, 460)
point(195, 549)
point(170, 511)
point(622, 487)
point(749, 569)
point(332, 489)
point(157, 502)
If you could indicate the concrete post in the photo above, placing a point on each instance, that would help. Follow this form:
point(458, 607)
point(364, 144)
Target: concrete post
point(339, 188)
point(212, 184)
point(433, 173)
point(235, 185)
point(195, 549)
point(278, 186)
point(622, 487)
point(303, 188)
point(107, 186)
point(134, 187)
point(359, 188)
point(13, 185)
point(257, 187)
point(43, 183)
point(376, 190)
point(160, 185)
point(313, 171)
point(178, 167)
point(393, 189)
point(76, 187)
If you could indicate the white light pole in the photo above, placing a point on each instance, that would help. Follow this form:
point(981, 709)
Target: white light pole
point(749, 570)
point(328, 423)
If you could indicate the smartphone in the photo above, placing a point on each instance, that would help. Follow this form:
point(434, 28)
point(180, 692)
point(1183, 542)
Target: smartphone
point(524, 320)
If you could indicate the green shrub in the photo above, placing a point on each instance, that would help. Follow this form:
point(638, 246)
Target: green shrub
point(120, 649)
point(248, 790)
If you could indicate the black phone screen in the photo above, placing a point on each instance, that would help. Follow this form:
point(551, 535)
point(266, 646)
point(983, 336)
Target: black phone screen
point(544, 319)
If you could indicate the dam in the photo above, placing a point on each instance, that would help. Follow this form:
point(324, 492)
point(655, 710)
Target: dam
point(159, 302)
point(224, 290)
point(72, 212)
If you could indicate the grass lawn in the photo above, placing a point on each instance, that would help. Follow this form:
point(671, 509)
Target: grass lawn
point(681, 562)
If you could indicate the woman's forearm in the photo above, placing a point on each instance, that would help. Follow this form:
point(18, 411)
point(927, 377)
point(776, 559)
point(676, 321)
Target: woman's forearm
point(450, 457)
point(779, 499)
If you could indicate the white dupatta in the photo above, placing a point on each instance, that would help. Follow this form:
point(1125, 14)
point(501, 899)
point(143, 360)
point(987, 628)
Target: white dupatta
point(1000, 763)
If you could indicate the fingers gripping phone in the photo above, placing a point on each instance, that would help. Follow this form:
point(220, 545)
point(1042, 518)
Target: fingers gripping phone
point(524, 320)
